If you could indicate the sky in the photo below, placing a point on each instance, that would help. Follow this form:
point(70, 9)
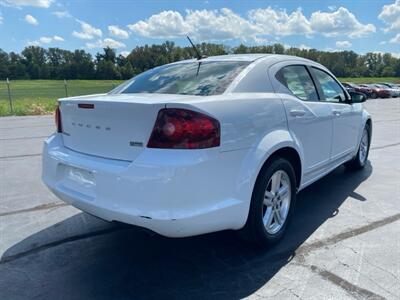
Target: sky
point(361, 26)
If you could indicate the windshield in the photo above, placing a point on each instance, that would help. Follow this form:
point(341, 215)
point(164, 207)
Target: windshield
point(194, 78)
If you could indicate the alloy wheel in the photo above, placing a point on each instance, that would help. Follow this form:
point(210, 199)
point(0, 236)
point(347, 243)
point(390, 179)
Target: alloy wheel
point(362, 153)
point(276, 203)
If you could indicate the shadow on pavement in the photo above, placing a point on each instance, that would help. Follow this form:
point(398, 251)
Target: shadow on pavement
point(126, 263)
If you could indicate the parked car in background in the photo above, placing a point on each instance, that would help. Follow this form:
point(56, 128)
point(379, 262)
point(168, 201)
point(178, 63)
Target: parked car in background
point(205, 145)
point(348, 87)
point(395, 89)
point(365, 90)
point(392, 92)
point(377, 92)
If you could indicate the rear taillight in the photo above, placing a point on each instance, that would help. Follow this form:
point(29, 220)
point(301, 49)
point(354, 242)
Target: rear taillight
point(184, 129)
point(57, 116)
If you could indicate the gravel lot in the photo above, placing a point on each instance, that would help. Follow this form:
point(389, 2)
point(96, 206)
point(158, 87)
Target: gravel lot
point(344, 241)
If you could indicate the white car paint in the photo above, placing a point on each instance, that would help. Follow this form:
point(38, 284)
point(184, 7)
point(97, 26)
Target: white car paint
point(178, 192)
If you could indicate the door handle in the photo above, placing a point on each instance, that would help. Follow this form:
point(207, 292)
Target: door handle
point(337, 112)
point(297, 112)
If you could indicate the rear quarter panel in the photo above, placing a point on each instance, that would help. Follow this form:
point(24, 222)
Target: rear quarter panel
point(253, 124)
point(245, 118)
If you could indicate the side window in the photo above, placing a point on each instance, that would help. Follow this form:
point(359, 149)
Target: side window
point(298, 81)
point(331, 90)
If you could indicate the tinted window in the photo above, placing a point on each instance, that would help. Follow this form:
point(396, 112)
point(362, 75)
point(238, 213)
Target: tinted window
point(331, 90)
point(298, 81)
point(194, 78)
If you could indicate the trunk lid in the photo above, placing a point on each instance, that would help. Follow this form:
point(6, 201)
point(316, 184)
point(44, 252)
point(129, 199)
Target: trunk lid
point(110, 126)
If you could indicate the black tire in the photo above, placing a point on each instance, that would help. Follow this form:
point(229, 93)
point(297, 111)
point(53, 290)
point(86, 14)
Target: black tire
point(374, 96)
point(254, 231)
point(356, 163)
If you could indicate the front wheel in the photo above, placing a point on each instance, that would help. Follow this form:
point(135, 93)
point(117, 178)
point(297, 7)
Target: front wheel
point(272, 203)
point(360, 160)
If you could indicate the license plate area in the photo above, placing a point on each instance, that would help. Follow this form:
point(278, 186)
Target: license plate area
point(78, 180)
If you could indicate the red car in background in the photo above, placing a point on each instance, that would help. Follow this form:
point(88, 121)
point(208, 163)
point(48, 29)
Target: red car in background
point(359, 88)
point(377, 92)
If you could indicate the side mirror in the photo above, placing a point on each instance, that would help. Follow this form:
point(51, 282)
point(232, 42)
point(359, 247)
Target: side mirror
point(357, 97)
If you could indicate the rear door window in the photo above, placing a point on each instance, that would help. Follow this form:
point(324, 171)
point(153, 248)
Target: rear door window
point(298, 81)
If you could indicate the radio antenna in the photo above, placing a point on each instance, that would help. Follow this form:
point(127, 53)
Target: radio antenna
point(199, 56)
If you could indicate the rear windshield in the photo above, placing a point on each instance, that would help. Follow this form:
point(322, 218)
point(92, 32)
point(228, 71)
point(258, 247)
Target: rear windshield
point(194, 78)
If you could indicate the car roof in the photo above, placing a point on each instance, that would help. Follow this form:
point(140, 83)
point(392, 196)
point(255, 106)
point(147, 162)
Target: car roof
point(249, 57)
point(237, 57)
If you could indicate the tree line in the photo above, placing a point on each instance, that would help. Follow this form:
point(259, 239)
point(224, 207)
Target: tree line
point(38, 63)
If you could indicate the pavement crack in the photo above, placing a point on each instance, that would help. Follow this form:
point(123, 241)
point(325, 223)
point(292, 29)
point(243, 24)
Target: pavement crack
point(385, 146)
point(20, 127)
point(35, 208)
point(24, 138)
point(364, 275)
point(351, 289)
point(381, 121)
point(21, 155)
point(43, 247)
point(397, 279)
point(306, 249)
point(285, 289)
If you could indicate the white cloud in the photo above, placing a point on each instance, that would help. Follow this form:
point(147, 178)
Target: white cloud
point(31, 20)
point(343, 44)
point(1, 19)
point(33, 43)
point(224, 24)
point(340, 22)
point(220, 25)
point(21, 3)
point(124, 53)
point(118, 32)
point(390, 15)
point(396, 39)
point(62, 14)
point(303, 47)
point(106, 43)
point(329, 49)
point(88, 31)
point(396, 54)
point(58, 38)
point(279, 22)
point(46, 40)
point(166, 24)
point(202, 25)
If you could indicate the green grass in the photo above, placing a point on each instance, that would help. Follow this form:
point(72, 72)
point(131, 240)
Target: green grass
point(370, 79)
point(34, 97)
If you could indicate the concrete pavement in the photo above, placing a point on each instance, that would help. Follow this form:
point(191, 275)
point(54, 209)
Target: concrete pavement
point(344, 241)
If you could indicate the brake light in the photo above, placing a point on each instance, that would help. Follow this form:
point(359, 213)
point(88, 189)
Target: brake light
point(184, 129)
point(57, 116)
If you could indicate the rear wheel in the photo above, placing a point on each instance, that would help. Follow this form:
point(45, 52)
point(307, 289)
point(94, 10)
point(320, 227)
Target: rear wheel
point(374, 96)
point(272, 203)
point(360, 160)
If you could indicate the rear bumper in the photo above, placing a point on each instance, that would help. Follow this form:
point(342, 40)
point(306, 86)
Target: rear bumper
point(175, 193)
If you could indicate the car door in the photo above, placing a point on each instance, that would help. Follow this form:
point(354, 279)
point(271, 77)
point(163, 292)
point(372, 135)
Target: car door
point(346, 117)
point(309, 120)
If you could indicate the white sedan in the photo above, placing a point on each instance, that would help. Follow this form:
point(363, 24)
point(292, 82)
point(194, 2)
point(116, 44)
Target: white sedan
point(199, 146)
